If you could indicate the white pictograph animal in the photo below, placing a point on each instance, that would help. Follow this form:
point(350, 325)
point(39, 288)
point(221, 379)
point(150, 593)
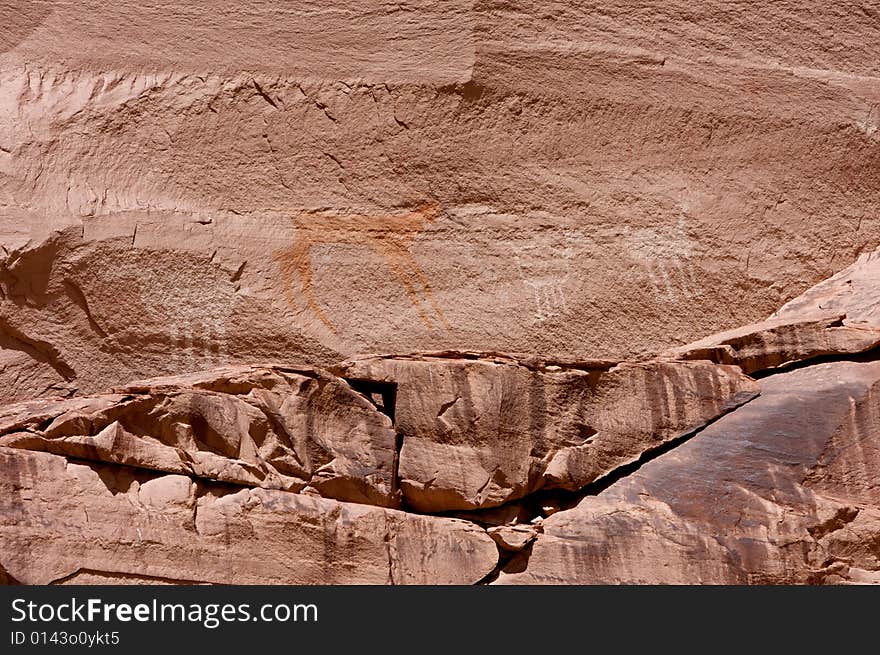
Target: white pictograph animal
point(666, 253)
point(545, 269)
point(200, 342)
point(195, 316)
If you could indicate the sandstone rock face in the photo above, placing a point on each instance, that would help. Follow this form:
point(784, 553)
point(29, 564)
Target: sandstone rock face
point(779, 341)
point(479, 431)
point(853, 292)
point(779, 491)
point(840, 316)
point(213, 214)
point(77, 320)
point(513, 537)
point(700, 479)
point(783, 490)
point(277, 428)
point(76, 522)
point(185, 187)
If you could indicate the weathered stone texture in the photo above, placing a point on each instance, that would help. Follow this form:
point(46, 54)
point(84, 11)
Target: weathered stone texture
point(483, 430)
point(60, 520)
point(297, 429)
point(316, 181)
point(317, 233)
point(783, 490)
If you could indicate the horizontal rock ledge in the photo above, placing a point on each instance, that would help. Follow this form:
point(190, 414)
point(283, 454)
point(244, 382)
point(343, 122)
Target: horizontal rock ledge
point(74, 522)
point(480, 431)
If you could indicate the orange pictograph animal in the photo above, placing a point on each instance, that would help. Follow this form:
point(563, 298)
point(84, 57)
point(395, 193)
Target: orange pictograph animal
point(388, 235)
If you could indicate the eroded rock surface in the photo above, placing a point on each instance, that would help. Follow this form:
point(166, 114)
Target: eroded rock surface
point(185, 187)
point(779, 341)
point(699, 478)
point(783, 490)
point(308, 182)
point(297, 429)
point(838, 317)
point(481, 430)
point(64, 521)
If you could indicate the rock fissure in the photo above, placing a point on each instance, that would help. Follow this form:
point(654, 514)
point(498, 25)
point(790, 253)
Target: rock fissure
point(510, 561)
point(534, 507)
point(871, 355)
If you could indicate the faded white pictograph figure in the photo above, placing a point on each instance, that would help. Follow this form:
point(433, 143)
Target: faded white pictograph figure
point(868, 124)
point(545, 269)
point(200, 342)
point(666, 253)
point(196, 324)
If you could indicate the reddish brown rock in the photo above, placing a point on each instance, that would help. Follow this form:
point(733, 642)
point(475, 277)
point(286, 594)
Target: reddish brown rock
point(479, 431)
point(838, 317)
point(70, 522)
point(513, 538)
point(782, 490)
point(418, 176)
point(77, 318)
point(306, 182)
point(854, 292)
point(298, 429)
point(779, 341)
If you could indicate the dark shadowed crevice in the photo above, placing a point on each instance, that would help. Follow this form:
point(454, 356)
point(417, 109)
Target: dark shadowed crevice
point(842, 517)
point(601, 484)
point(79, 299)
point(6, 578)
point(871, 355)
point(561, 499)
point(508, 562)
point(383, 396)
point(445, 407)
point(534, 505)
point(117, 477)
point(11, 338)
point(265, 96)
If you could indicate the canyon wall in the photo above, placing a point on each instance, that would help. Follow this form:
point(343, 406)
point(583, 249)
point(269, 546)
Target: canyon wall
point(182, 186)
point(424, 292)
point(458, 467)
